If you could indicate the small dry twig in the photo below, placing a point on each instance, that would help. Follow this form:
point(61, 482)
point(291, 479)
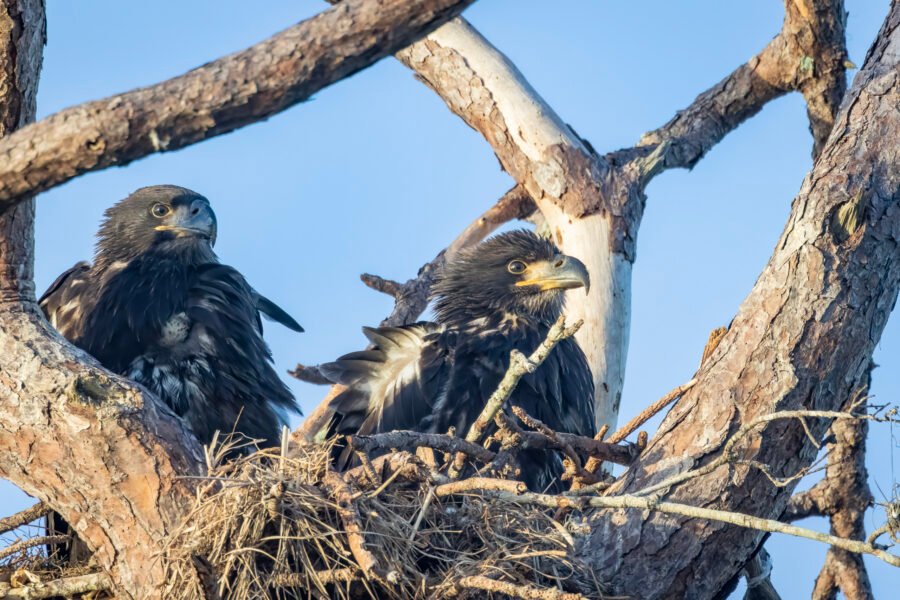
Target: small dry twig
point(519, 366)
point(527, 592)
point(32, 542)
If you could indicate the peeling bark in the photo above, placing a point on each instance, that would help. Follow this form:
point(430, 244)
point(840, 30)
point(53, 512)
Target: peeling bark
point(802, 339)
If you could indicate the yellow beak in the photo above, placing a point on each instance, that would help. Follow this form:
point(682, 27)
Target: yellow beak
point(562, 272)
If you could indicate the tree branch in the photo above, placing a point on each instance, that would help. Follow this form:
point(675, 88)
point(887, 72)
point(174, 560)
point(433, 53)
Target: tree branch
point(216, 98)
point(32, 542)
point(66, 587)
point(23, 517)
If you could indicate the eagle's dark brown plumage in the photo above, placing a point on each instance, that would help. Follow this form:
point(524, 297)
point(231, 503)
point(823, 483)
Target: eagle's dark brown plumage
point(501, 295)
point(157, 306)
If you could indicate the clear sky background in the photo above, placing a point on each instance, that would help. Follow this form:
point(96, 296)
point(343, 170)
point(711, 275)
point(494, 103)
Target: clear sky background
point(375, 174)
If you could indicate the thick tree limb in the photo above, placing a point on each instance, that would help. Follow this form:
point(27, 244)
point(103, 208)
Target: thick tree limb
point(89, 445)
point(592, 204)
point(802, 340)
point(216, 98)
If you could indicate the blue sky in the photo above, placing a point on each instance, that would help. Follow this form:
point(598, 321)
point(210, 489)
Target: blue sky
point(374, 174)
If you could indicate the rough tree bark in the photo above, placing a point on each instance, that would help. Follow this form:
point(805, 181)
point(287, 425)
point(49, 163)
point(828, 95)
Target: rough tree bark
point(802, 339)
point(593, 204)
point(101, 451)
point(52, 395)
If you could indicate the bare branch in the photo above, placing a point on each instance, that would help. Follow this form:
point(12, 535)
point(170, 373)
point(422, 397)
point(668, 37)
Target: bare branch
point(515, 204)
point(728, 453)
point(480, 582)
point(805, 504)
point(474, 485)
point(215, 98)
point(309, 375)
point(32, 542)
point(23, 517)
point(302, 580)
point(343, 496)
point(722, 516)
point(66, 587)
point(410, 440)
point(759, 581)
point(648, 413)
point(808, 55)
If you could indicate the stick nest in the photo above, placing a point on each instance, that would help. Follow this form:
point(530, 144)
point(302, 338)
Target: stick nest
point(278, 524)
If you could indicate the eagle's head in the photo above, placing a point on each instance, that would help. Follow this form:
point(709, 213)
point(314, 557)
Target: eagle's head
point(164, 218)
point(515, 273)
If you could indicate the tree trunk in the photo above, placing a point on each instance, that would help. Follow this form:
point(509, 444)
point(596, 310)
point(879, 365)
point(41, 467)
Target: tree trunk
point(802, 339)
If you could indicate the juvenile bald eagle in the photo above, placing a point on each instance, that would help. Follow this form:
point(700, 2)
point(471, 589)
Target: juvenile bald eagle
point(501, 295)
point(157, 307)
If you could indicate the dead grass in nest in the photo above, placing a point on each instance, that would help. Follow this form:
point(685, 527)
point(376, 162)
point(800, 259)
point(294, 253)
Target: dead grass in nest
point(269, 525)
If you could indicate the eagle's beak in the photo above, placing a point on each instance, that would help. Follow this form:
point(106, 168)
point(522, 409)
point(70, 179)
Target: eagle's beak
point(196, 219)
point(562, 272)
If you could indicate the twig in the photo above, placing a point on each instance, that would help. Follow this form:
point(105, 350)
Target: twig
point(23, 517)
point(309, 374)
point(478, 485)
point(593, 463)
point(42, 540)
point(380, 284)
point(302, 580)
point(341, 493)
point(648, 413)
point(518, 367)
point(527, 592)
point(410, 440)
point(886, 528)
point(710, 514)
point(66, 587)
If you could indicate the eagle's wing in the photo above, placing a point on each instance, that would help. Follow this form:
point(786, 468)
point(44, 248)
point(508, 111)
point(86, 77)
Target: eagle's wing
point(223, 311)
point(395, 384)
point(273, 312)
point(61, 302)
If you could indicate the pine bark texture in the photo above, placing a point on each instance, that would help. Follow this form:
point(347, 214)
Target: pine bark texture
point(802, 339)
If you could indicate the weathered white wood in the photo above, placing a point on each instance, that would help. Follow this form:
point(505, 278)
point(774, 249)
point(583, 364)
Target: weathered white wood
point(542, 153)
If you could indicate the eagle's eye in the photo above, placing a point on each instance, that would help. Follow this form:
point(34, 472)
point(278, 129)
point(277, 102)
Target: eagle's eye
point(516, 267)
point(160, 210)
